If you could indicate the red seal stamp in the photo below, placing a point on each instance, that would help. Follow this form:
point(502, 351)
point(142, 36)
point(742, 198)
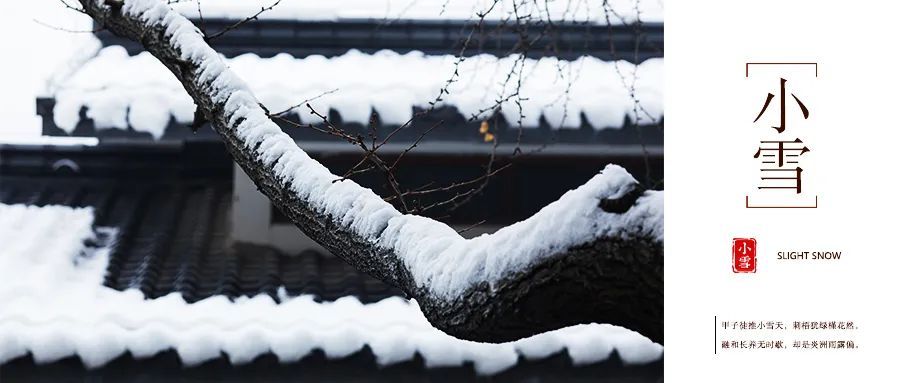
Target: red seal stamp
point(743, 255)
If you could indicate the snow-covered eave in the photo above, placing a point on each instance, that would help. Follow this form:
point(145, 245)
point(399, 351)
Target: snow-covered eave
point(437, 259)
point(248, 328)
point(561, 95)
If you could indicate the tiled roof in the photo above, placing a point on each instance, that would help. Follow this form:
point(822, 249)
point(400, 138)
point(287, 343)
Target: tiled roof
point(159, 245)
point(173, 238)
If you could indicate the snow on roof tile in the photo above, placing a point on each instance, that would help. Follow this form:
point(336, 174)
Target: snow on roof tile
point(119, 90)
point(620, 11)
point(55, 306)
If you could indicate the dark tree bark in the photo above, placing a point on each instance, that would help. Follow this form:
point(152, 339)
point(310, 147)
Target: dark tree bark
point(606, 280)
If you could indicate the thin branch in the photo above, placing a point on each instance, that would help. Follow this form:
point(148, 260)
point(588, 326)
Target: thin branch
point(72, 7)
point(302, 103)
point(41, 23)
point(415, 143)
point(202, 21)
point(479, 223)
point(242, 22)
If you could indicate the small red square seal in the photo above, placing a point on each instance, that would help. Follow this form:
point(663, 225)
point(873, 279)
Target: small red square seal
point(743, 255)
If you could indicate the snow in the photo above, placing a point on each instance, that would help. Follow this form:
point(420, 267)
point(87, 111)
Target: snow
point(439, 259)
point(448, 264)
point(49, 140)
point(55, 306)
point(388, 10)
point(391, 85)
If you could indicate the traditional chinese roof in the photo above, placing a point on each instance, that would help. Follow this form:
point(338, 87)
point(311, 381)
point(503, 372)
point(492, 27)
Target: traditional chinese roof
point(142, 241)
point(576, 86)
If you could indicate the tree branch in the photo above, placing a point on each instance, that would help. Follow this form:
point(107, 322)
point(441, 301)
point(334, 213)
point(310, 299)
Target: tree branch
point(571, 263)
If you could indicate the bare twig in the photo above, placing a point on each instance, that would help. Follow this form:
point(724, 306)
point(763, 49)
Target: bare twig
point(470, 227)
point(242, 22)
point(304, 102)
point(202, 21)
point(72, 7)
point(415, 143)
point(41, 23)
point(637, 108)
point(531, 27)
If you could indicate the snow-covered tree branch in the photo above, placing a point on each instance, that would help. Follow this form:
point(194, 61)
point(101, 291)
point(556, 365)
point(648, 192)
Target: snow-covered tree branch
point(593, 256)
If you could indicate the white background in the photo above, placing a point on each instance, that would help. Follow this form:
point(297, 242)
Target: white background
point(709, 143)
point(30, 51)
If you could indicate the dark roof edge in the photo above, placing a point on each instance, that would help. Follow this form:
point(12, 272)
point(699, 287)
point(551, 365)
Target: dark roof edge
point(131, 158)
point(301, 38)
point(453, 129)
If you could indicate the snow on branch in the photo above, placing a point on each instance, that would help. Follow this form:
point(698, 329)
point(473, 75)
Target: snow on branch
point(460, 284)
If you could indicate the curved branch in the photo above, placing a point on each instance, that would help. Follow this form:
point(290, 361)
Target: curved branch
point(593, 256)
